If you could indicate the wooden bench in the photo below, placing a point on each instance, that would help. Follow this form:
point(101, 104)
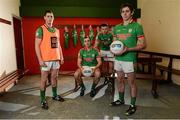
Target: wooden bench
point(169, 70)
point(11, 79)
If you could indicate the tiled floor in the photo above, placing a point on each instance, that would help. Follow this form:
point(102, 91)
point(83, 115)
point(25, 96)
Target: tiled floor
point(22, 101)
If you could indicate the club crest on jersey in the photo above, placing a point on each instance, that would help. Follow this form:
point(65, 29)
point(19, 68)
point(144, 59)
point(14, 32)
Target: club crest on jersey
point(130, 30)
point(93, 55)
point(118, 30)
point(88, 59)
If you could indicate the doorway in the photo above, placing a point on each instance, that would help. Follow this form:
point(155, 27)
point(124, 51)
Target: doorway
point(18, 42)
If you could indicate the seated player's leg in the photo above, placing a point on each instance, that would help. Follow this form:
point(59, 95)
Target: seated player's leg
point(111, 66)
point(110, 59)
point(107, 66)
point(108, 62)
point(97, 75)
point(104, 66)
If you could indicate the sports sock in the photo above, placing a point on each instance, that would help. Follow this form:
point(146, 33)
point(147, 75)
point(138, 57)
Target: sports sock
point(42, 95)
point(54, 91)
point(121, 96)
point(133, 101)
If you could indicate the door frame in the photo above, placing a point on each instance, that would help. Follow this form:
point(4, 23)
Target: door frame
point(22, 42)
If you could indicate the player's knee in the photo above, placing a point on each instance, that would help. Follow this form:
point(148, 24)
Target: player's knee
point(76, 75)
point(132, 84)
point(44, 76)
point(54, 76)
point(97, 74)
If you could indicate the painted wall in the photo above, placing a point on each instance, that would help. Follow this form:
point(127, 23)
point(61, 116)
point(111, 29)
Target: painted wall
point(161, 21)
point(7, 43)
point(76, 8)
point(30, 24)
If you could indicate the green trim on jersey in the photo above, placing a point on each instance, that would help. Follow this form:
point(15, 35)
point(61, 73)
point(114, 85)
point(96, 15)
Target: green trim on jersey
point(89, 57)
point(105, 41)
point(39, 31)
point(129, 35)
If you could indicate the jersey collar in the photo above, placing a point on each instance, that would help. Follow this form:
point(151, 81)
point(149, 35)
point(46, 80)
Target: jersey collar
point(131, 21)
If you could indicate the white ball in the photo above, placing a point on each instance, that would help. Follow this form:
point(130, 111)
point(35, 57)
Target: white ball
point(116, 46)
point(87, 71)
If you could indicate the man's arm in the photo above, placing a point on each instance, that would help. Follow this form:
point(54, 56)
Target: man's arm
point(141, 41)
point(61, 54)
point(141, 44)
point(79, 61)
point(99, 62)
point(37, 50)
point(98, 58)
point(38, 39)
point(60, 50)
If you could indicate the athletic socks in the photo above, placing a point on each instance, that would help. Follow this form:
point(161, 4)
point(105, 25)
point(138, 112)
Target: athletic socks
point(93, 86)
point(42, 95)
point(54, 91)
point(133, 101)
point(82, 85)
point(121, 96)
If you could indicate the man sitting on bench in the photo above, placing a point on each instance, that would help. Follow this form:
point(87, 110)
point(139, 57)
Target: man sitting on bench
point(88, 56)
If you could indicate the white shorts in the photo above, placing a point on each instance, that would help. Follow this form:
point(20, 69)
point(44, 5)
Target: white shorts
point(126, 67)
point(107, 55)
point(51, 65)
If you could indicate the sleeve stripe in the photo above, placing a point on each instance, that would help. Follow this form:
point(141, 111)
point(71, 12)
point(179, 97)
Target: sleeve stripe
point(141, 36)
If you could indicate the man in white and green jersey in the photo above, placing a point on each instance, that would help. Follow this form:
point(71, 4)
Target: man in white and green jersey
point(132, 35)
point(88, 56)
point(103, 41)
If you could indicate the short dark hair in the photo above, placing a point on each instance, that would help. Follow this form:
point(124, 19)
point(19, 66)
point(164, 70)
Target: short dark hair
point(127, 5)
point(48, 11)
point(104, 25)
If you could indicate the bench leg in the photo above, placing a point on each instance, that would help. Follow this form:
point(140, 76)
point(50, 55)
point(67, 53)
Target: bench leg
point(154, 89)
point(154, 81)
point(161, 71)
